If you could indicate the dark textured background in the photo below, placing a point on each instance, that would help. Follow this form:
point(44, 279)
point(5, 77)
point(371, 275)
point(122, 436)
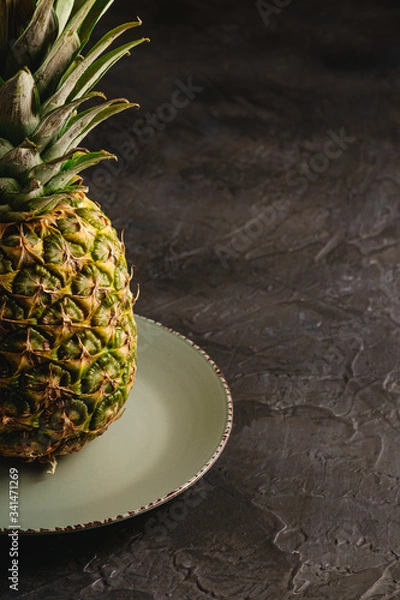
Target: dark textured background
point(285, 266)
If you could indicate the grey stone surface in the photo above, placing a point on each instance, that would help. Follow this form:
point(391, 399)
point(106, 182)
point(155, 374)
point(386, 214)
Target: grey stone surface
point(263, 219)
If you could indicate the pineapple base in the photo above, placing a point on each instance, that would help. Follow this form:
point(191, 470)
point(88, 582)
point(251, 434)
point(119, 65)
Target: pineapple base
point(67, 331)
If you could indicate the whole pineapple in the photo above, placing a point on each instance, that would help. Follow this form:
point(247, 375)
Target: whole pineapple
point(67, 331)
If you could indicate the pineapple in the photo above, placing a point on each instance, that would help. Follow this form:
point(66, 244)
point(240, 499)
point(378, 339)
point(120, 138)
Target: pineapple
point(67, 329)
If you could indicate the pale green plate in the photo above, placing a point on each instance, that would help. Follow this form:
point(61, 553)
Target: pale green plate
point(177, 422)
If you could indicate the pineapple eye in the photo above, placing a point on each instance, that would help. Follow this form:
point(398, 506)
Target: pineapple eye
point(28, 340)
point(69, 226)
point(55, 250)
point(90, 342)
point(93, 379)
point(121, 277)
point(5, 264)
point(110, 366)
point(104, 250)
point(17, 406)
point(107, 311)
point(77, 412)
point(107, 410)
point(70, 350)
point(95, 218)
point(56, 420)
point(63, 255)
point(119, 338)
point(10, 310)
point(62, 312)
point(104, 374)
point(35, 281)
point(21, 245)
point(16, 236)
point(76, 234)
point(48, 376)
point(90, 279)
point(85, 343)
point(74, 411)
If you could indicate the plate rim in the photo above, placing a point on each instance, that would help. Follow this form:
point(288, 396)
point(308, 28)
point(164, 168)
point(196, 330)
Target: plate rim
point(184, 486)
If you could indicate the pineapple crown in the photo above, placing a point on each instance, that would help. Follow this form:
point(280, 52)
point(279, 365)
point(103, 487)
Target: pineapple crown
point(44, 80)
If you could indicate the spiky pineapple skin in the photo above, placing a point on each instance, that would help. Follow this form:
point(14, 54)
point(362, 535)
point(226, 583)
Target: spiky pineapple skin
point(67, 331)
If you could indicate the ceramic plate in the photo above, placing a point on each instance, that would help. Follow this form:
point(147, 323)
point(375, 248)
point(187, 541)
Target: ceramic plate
point(177, 422)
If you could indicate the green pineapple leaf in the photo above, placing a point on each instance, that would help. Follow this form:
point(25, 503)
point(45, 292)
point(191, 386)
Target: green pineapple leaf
point(98, 69)
point(84, 123)
point(35, 40)
point(82, 64)
point(62, 52)
point(94, 16)
point(18, 107)
point(49, 129)
point(46, 171)
point(63, 10)
point(74, 167)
